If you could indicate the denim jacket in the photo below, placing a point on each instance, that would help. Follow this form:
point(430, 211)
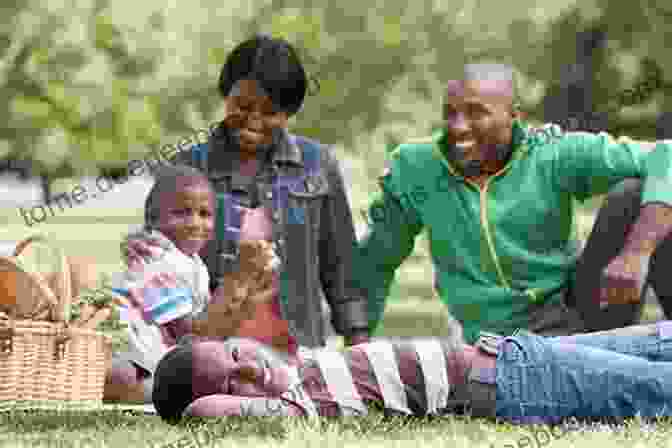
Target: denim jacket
point(300, 181)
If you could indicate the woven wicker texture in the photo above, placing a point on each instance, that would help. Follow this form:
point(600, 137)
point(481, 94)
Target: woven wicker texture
point(42, 358)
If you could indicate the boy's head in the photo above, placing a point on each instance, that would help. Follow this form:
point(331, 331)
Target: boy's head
point(181, 205)
point(237, 366)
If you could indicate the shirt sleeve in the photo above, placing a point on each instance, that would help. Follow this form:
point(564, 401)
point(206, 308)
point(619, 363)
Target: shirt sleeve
point(393, 226)
point(588, 164)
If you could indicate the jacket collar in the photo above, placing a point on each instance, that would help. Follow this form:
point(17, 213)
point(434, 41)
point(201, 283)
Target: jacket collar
point(519, 138)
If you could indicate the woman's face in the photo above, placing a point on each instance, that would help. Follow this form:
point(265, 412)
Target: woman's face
point(240, 367)
point(252, 116)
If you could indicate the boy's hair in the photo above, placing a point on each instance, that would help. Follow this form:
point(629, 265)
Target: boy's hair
point(169, 179)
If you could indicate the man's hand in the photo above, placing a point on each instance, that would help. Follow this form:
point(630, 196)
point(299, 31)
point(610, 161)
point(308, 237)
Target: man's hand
point(624, 278)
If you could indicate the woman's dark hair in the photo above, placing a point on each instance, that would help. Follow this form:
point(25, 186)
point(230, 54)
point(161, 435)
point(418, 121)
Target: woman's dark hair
point(274, 64)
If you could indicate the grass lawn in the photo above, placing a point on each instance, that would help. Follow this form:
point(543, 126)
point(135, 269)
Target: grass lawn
point(85, 234)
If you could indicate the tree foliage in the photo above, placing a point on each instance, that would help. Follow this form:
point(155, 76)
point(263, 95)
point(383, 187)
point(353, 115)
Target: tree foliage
point(90, 84)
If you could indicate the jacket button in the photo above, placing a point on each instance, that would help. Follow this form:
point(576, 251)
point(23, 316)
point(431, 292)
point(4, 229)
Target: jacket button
point(269, 195)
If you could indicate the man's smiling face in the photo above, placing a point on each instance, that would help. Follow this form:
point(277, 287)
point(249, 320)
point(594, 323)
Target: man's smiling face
point(478, 117)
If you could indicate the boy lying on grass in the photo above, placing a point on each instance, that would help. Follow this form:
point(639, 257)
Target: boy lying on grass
point(168, 295)
point(523, 378)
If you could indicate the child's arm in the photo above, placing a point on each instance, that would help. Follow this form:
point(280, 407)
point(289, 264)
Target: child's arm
point(232, 303)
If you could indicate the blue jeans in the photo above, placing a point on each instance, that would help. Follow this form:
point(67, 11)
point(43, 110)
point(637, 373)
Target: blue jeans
point(619, 373)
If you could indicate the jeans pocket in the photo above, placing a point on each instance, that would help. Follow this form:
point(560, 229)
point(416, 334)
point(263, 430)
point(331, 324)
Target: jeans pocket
point(524, 347)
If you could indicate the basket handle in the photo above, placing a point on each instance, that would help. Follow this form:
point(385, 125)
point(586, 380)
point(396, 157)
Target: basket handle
point(64, 282)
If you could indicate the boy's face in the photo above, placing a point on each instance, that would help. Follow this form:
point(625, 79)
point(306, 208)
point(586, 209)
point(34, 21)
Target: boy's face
point(187, 217)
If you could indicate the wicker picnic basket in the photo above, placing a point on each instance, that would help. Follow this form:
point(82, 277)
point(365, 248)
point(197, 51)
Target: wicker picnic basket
point(43, 359)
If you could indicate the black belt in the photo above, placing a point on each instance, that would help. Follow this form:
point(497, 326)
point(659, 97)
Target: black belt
point(478, 396)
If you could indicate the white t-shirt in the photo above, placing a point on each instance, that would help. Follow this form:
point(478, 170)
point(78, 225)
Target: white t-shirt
point(145, 342)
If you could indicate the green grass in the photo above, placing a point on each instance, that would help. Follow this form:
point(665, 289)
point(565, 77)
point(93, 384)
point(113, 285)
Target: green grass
point(124, 429)
point(412, 312)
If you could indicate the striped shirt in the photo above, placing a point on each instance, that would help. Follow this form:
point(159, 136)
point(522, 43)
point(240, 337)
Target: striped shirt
point(412, 378)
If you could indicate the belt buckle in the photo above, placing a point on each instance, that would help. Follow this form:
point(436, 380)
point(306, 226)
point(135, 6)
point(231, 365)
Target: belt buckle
point(488, 343)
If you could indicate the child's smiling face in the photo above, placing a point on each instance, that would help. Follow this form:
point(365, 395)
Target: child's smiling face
point(187, 216)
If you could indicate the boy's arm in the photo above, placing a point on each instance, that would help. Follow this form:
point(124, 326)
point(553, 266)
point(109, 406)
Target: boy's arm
point(232, 303)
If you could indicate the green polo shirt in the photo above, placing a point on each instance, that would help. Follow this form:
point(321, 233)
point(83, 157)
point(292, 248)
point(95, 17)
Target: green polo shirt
point(499, 248)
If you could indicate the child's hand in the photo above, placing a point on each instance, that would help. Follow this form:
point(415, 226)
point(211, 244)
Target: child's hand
point(257, 265)
point(256, 257)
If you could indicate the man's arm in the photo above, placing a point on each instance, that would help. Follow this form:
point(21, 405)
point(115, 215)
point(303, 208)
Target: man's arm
point(650, 229)
point(393, 226)
point(336, 244)
point(588, 164)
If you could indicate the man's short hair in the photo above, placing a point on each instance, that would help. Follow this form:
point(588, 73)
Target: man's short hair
point(493, 71)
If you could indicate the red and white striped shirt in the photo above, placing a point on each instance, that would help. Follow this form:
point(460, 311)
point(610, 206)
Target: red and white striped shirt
point(413, 378)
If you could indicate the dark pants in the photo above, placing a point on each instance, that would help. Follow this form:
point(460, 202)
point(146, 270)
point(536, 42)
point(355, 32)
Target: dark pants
point(614, 221)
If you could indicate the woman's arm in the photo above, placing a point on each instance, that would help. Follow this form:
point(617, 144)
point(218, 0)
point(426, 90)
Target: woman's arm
point(337, 243)
point(221, 405)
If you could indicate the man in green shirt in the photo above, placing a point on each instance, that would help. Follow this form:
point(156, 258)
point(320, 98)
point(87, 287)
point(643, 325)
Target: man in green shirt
point(496, 197)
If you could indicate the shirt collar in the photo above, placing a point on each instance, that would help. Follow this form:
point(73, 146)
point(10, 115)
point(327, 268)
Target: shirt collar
point(286, 150)
point(518, 138)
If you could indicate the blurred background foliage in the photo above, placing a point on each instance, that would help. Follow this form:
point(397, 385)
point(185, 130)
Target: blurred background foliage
point(87, 85)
